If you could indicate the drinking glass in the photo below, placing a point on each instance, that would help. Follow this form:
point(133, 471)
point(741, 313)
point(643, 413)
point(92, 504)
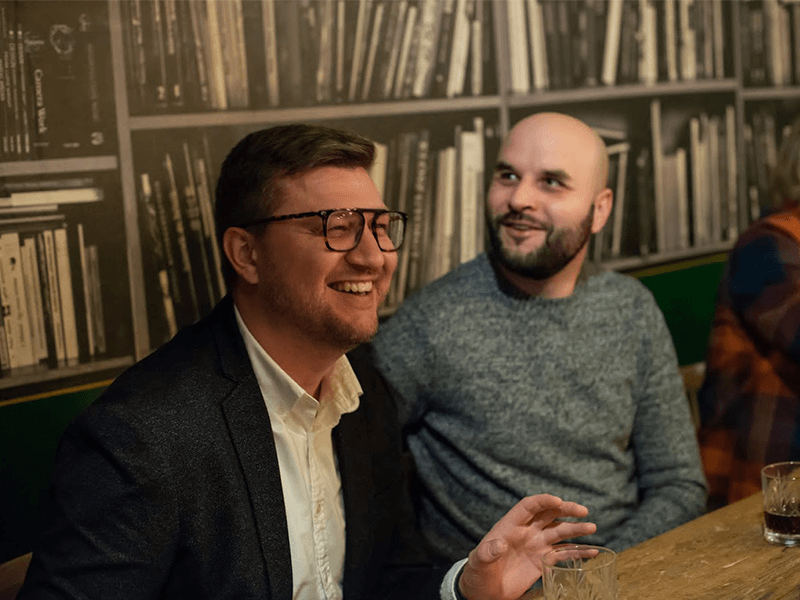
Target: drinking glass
point(780, 483)
point(579, 572)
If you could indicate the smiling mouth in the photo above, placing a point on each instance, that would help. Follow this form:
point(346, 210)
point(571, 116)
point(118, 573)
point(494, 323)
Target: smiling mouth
point(521, 223)
point(355, 287)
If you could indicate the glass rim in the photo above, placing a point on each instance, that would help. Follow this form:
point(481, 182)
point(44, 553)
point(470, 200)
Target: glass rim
point(561, 547)
point(777, 465)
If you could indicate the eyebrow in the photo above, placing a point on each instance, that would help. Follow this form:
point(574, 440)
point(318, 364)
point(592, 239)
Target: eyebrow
point(559, 174)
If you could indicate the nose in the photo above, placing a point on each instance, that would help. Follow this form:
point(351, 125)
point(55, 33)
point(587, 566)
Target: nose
point(524, 196)
point(367, 254)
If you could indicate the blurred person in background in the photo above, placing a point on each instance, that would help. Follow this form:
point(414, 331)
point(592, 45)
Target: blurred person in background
point(750, 398)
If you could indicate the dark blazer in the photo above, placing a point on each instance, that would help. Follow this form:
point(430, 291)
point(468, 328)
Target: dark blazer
point(168, 487)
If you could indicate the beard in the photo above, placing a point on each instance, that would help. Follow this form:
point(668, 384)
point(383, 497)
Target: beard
point(560, 246)
point(314, 316)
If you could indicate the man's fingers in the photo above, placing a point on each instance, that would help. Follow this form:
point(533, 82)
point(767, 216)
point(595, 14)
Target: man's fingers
point(573, 509)
point(564, 530)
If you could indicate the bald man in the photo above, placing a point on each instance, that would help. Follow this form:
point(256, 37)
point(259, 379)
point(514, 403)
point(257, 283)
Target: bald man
point(520, 373)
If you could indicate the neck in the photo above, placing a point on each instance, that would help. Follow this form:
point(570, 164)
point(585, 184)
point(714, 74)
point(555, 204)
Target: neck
point(560, 285)
point(306, 361)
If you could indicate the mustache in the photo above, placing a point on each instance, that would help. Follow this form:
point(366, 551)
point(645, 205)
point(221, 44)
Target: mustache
point(514, 217)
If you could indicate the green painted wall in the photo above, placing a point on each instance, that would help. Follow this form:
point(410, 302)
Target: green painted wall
point(29, 431)
point(686, 292)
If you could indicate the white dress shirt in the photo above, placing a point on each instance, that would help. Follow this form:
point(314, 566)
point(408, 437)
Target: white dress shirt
point(312, 487)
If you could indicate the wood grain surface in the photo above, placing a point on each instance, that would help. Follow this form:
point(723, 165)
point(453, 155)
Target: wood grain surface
point(719, 556)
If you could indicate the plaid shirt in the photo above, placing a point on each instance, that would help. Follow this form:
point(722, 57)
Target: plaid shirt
point(750, 399)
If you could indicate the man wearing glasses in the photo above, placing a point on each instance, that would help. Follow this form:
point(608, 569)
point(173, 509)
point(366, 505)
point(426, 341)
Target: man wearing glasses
point(248, 457)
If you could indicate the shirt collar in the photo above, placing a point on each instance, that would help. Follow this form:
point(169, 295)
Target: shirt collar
point(340, 390)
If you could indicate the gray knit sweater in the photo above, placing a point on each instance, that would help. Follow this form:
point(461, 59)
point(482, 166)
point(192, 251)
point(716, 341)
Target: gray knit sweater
point(504, 396)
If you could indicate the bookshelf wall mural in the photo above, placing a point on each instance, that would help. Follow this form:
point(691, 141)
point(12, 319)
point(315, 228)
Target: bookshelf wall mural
point(115, 116)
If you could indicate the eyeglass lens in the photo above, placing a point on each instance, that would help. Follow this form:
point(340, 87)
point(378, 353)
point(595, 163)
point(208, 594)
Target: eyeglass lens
point(345, 227)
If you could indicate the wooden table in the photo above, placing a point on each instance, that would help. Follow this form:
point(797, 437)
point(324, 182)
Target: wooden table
point(719, 556)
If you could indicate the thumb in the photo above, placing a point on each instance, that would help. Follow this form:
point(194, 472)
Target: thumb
point(491, 550)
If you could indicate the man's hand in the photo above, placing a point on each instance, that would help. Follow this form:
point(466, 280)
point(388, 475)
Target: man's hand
point(508, 560)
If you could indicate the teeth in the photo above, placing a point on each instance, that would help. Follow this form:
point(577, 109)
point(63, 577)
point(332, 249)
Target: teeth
point(361, 287)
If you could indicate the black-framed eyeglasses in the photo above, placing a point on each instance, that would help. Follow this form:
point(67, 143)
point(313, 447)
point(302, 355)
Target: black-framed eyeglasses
point(343, 227)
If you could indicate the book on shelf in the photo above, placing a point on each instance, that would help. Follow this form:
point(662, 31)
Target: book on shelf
point(538, 48)
point(235, 54)
point(60, 105)
point(732, 175)
point(619, 157)
point(659, 204)
point(17, 322)
point(40, 197)
point(459, 51)
point(181, 258)
point(161, 263)
point(644, 201)
point(184, 262)
point(612, 41)
point(518, 45)
point(50, 300)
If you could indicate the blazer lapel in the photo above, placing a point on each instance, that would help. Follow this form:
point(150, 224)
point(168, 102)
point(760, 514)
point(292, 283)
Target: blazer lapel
point(355, 470)
point(251, 434)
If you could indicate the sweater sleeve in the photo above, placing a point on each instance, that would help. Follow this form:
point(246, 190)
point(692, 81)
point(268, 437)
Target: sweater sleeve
point(403, 356)
point(764, 287)
point(672, 488)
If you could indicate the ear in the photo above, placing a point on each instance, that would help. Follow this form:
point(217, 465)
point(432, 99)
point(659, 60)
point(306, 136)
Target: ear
point(602, 209)
point(239, 246)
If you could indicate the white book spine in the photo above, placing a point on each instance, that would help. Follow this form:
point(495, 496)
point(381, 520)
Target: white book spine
point(687, 45)
point(214, 54)
point(65, 292)
point(459, 52)
point(671, 43)
point(271, 51)
point(426, 55)
point(17, 321)
point(55, 296)
point(518, 47)
point(611, 50)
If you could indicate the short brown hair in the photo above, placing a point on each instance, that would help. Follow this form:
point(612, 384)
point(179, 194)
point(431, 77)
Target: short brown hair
point(249, 180)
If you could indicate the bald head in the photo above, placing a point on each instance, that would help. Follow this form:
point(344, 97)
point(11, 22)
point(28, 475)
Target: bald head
point(563, 133)
point(548, 195)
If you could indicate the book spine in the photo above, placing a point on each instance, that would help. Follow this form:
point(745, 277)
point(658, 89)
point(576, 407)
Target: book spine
point(97, 299)
point(612, 36)
point(172, 49)
point(199, 37)
point(24, 108)
point(180, 235)
point(87, 299)
point(166, 236)
point(52, 328)
point(195, 221)
point(66, 294)
point(459, 51)
point(15, 307)
point(33, 289)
